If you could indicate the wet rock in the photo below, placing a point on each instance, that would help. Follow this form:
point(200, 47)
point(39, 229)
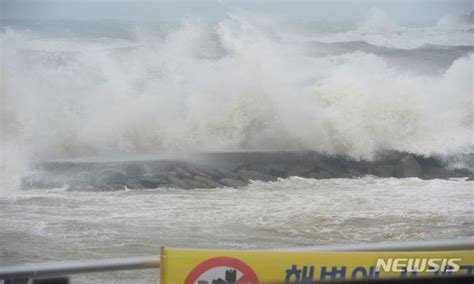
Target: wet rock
point(299, 170)
point(133, 170)
point(464, 172)
point(112, 178)
point(229, 175)
point(182, 173)
point(434, 172)
point(196, 184)
point(408, 167)
point(134, 184)
point(355, 173)
point(277, 170)
point(198, 172)
point(174, 179)
point(208, 181)
point(152, 182)
point(253, 175)
point(384, 171)
point(320, 175)
point(333, 167)
point(232, 182)
point(83, 179)
point(162, 166)
point(160, 175)
point(213, 172)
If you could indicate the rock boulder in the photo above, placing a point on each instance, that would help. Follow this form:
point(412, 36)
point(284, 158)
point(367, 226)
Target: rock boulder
point(384, 171)
point(232, 182)
point(408, 166)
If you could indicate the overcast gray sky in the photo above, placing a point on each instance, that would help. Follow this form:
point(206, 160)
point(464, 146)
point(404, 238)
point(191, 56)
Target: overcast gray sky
point(403, 11)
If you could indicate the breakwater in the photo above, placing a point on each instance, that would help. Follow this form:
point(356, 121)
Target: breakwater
point(235, 169)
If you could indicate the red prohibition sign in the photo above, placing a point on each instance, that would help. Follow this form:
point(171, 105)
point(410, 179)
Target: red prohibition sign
point(247, 275)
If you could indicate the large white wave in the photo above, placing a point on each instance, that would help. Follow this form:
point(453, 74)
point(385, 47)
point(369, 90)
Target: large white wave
point(230, 86)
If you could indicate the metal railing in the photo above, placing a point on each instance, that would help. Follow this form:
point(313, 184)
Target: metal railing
point(62, 268)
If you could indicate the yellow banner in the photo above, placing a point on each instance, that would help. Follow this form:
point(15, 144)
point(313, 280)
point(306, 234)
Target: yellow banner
point(220, 267)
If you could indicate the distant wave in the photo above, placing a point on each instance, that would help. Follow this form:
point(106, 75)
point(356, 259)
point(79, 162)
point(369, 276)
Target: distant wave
point(378, 29)
point(427, 59)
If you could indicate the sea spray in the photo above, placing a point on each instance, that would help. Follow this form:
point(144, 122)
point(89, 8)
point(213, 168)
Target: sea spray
point(227, 86)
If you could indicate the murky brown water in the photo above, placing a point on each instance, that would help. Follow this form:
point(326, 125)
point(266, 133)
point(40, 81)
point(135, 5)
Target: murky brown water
point(296, 212)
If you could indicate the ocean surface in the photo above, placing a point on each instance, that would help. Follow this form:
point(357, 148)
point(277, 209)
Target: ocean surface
point(107, 89)
point(41, 225)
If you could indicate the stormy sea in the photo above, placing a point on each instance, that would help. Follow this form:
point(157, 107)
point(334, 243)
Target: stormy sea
point(248, 132)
